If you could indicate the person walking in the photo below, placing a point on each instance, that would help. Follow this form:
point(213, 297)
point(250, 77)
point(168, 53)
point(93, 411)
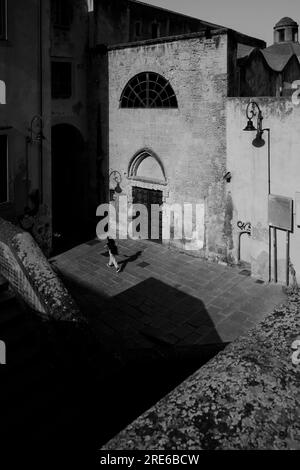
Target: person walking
point(113, 251)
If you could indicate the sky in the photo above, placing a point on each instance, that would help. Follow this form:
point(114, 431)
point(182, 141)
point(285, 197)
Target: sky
point(253, 17)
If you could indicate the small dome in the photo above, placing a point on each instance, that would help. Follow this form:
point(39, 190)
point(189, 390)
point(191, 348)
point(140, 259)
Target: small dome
point(286, 21)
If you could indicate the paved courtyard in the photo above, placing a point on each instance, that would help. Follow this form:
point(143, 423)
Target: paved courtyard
point(163, 297)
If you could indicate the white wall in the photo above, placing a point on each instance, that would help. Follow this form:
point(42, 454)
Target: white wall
point(249, 184)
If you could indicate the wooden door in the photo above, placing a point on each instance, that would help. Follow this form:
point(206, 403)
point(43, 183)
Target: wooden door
point(150, 197)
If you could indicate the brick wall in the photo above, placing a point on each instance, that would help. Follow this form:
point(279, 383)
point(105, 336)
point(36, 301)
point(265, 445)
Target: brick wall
point(191, 140)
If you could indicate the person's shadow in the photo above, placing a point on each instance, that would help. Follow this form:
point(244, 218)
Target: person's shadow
point(129, 259)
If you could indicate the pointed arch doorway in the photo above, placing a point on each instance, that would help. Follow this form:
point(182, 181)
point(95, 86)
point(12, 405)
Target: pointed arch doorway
point(148, 187)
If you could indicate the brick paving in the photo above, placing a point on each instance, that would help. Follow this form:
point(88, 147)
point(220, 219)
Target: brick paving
point(162, 297)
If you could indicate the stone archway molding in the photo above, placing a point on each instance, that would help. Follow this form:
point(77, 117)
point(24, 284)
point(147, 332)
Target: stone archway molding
point(137, 160)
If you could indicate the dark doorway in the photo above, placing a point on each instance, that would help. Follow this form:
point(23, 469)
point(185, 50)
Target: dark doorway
point(69, 188)
point(147, 197)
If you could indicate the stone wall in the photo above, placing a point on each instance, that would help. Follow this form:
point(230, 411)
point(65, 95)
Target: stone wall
point(114, 22)
point(189, 141)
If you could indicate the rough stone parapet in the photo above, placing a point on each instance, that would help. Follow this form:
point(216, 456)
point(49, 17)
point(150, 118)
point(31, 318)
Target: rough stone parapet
point(23, 264)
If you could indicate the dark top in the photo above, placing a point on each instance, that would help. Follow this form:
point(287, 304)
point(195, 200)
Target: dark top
point(112, 247)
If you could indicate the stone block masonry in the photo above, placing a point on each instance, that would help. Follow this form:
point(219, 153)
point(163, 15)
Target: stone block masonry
point(189, 141)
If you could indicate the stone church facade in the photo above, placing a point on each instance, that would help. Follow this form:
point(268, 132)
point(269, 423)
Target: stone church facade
point(188, 139)
point(195, 152)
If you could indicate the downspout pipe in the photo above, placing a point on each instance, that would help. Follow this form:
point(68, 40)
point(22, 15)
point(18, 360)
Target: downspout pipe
point(269, 192)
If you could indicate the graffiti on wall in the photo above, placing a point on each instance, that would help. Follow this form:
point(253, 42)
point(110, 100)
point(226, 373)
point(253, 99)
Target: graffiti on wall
point(244, 226)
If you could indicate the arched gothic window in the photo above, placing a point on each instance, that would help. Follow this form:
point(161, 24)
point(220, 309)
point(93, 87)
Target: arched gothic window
point(148, 90)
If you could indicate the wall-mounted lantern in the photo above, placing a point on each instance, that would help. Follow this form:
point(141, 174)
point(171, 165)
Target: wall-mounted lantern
point(253, 111)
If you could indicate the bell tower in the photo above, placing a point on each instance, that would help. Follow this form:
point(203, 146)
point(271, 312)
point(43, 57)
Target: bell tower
point(286, 30)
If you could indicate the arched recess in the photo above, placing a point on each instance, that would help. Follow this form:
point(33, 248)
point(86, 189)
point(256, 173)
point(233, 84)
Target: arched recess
point(146, 166)
point(148, 185)
point(69, 187)
point(2, 92)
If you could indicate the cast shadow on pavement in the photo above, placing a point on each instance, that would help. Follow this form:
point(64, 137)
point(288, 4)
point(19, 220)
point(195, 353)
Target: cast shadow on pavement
point(136, 347)
point(129, 259)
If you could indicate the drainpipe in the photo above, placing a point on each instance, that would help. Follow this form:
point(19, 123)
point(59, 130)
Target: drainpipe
point(287, 258)
point(269, 192)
